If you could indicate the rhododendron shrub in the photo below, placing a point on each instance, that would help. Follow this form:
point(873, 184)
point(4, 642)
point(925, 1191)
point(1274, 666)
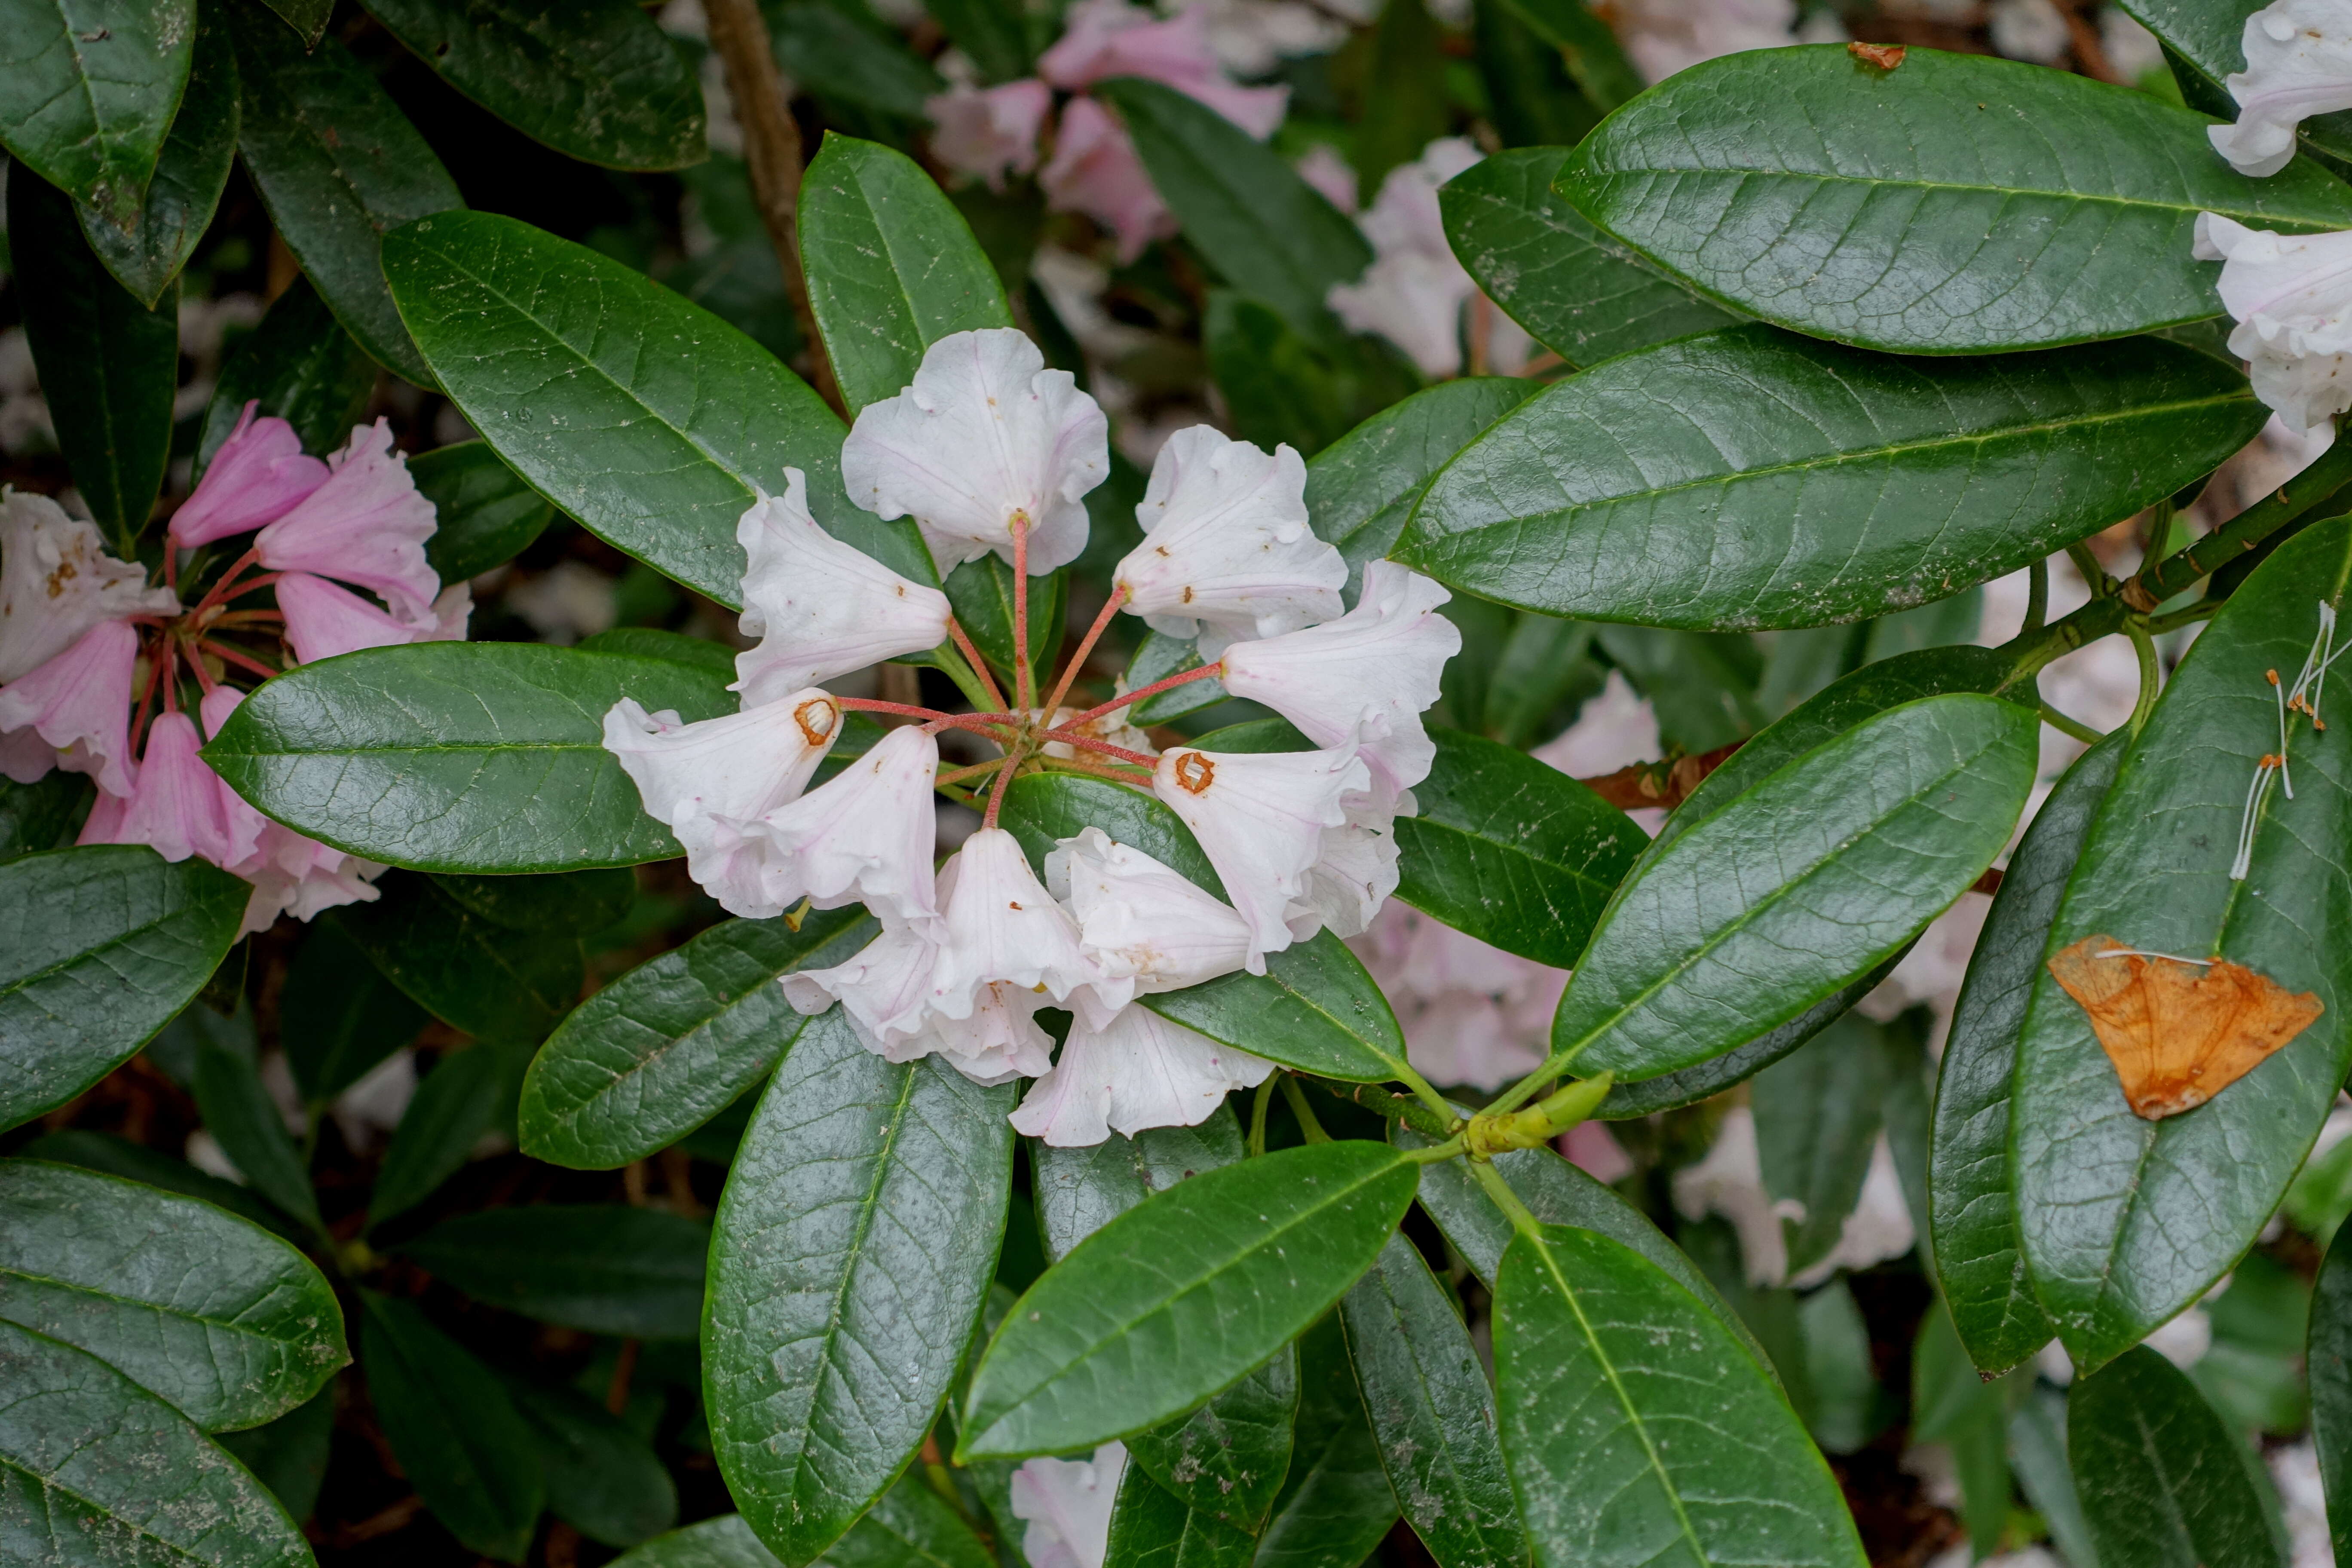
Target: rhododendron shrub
point(1209, 785)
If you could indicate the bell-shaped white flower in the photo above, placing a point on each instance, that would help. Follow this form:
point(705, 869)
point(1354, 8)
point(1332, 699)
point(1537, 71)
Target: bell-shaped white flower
point(2298, 64)
point(1140, 920)
point(1226, 551)
point(884, 989)
point(999, 1041)
point(1141, 1070)
point(986, 437)
point(865, 836)
point(1378, 666)
point(1355, 867)
point(819, 608)
point(56, 581)
point(2291, 296)
point(1001, 924)
point(1261, 818)
point(1067, 1505)
point(707, 780)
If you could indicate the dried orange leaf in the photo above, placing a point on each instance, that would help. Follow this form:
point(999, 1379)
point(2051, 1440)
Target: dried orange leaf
point(2178, 1032)
point(1886, 57)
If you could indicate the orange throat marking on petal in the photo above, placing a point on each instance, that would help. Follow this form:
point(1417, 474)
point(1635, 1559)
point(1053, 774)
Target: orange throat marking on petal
point(2178, 1033)
point(817, 717)
point(1194, 772)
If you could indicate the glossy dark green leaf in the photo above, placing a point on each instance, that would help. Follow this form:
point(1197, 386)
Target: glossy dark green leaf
point(221, 1319)
point(2329, 1364)
point(88, 91)
point(668, 1045)
point(852, 1255)
point(289, 1454)
point(114, 1156)
point(467, 1095)
point(2125, 1221)
point(2209, 37)
point(474, 974)
point(453, 1428)
point(1533, 102)
point(1745, 479)
point(1081, 1190)
point(1828, 866)
point(1426, 1397)
point(1151, 1527)
point(96, 1463)
point(99, 949)
point(1361, 488)
point(892, 267)
point(1281, 387)
point(339, 1016)
point(644, 416)
point(1587, 47)
point(910, 1526)
point(40, 815)
point(1406, 76)
point(1972, 1194)
point(1577, 291)
point(700, 653)
point(1118, 1335)
point(459, 756)
point(1637, 1427)
point(726, 1541)
point(2164, 1483)
point(300, 366)
point(600, 1267)
point(338, 165)
point(1670, 1092)
point(981, 593)
point(1959, 204)
point(853, 61)
point(1511, 851)
point(1157, 656)
point(1542, 675)
point(596, 79)
point(239, 1112)
point(189, 176)
point(1226, 1462)
point(1272, 236)
point(486, 515)
point(602, 1478)
point(2037, 1445)
point(1336, 1505)
point(578, 904)
point(1818, 1111)
point(108, 363)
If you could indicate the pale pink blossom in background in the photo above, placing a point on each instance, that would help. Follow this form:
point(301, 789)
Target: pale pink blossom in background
point(1066, 1504)
point(1472, 1013)
point(990, 132)
point(1325, 170)
point(1107, 38)
point(1416, 293)
point(1094, 170)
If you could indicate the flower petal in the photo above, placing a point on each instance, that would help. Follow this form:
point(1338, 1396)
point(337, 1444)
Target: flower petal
point(56, 581)
point(819, 608)
point(367, 524)
point(259, 475)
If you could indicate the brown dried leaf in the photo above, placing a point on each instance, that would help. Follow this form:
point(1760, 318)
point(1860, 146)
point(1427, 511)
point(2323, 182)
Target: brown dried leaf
point(1886, 57)
point(2178, 1034)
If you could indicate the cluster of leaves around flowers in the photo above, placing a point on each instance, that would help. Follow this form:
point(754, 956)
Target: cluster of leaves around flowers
point(1281, 1312)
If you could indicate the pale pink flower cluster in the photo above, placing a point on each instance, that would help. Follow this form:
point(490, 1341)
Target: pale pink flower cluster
point(72, 651)
point(1093, 168)
point(1416, 293)
point(1066, 1504)
point(990, 452)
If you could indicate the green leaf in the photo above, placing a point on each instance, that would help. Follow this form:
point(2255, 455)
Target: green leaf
point(1426, 1397)
point(670, 1044)
point(850, 1258)
point(726, 1541)
point(1541, 669)
point(1151, 1527)
point(1281, 384)
point(88, 90)
point(339, 1016)
point(2328, 1363)
point(1797, 887)
point(1226, 1461)
point(603, 1268)
point(910, 1527)
point(217, 1317)
point(240, 1113)
point(1405, 76)
point(1181, 1296)
point(892, 267)
point(2037, 1445)
point(1972, 1194)
point(700, 653)
point(1577, 291)
point(1270, 234)
point(602, 1478)
point(2209, 37)
point(981, 595)
point(2164, 1483)
point(105, 1153)
point(108, 363)
point(1336, 1506)
point(303, 367)
point(1363, 486)
point(338, 165)
point(453, 1428)
point(1959, 204)
point(1821, 484)
point(189, 177)
point(468, 1093)
point(991, 32)
point(576, 903)
point(1158, 655)
point(1818, 1111)
point(289, 1456)
point(487, 514)
point(94, 1459)
point(1081, 1190)
point(99, 949)
point(472, 974)
point(44, 814)
point(1534, 102)
point(1587, 47)
point(853, 61)
point(1512, 851)
point(596, 79)
point(459, 756)
point(2126, 1222)
point(1637, 1427)
point(646, 417)
point(307, 17)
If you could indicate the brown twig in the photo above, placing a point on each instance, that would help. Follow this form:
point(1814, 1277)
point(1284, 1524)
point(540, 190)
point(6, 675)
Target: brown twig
point(771, 152)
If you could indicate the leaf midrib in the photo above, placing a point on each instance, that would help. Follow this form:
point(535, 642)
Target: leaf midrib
point(1591, 171)
point(10, 988)
point(74, 1287)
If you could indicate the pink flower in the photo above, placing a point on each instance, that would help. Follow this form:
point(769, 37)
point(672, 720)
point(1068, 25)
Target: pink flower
point(1110, 37)
point(1095, 171)
point(989, 131)
point(322, 620)
point(366, 524)
point(74, 712)
point(175, 802)
point(258, 476)
point(56, 581)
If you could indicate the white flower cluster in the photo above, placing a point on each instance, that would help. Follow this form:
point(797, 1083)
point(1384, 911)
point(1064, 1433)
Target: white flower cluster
point(992, 453)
